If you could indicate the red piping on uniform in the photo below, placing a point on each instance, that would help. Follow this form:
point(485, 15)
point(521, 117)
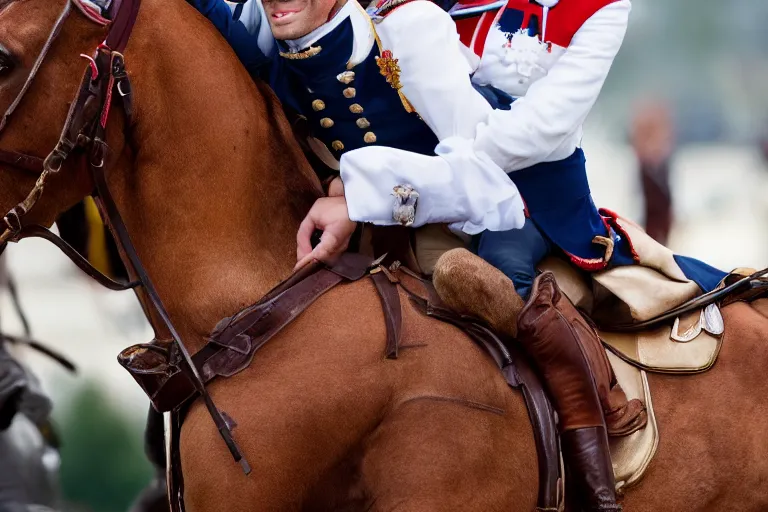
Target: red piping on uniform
point(612, 217)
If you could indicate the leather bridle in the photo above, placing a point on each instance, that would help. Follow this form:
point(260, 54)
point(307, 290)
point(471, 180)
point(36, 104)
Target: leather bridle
point(29, 163)
point(84, 130)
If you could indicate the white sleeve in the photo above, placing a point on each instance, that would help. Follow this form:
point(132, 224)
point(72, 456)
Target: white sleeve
point(435, 72)
point(459, 187)
point(556, 106)
point(475, 195)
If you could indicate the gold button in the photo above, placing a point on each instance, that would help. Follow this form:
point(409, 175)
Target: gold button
point(326, 122)
point(337, 145)
point(355, 108)
point(350, 92)
point(363, 123)
point(369, 138)
point(318, 105)
point(346, 77)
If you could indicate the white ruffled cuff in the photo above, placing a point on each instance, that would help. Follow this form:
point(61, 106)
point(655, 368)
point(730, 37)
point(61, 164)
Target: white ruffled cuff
point(458, 187)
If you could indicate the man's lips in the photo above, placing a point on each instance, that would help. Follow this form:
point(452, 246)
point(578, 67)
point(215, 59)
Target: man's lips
point(284, 15)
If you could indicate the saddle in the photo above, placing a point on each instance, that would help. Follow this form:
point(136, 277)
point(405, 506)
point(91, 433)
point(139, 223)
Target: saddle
point(639, 337)
point(649, 318)
point(160, 370)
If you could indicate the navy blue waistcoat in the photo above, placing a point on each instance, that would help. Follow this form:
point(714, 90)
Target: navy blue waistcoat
point(345, 116)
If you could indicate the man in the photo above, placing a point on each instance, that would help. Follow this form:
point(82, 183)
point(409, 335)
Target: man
point(409, 62)
point(384, 82)
point(29, 463)
point(537, 140)
point(554, 57)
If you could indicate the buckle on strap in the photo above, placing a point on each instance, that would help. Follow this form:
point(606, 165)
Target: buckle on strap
point(352, 266)
point(55, 160)
point(12, 219)
point(124, 84)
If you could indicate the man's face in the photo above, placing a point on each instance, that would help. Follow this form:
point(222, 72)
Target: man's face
point(292, 19)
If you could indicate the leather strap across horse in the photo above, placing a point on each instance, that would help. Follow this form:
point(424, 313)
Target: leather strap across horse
point(235, 341)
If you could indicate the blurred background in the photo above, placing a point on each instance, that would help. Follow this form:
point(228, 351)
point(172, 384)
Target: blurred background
point(678, 142)
point(679, 138)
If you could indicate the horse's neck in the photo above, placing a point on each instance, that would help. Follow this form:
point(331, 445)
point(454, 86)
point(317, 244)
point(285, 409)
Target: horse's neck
point(217, 186)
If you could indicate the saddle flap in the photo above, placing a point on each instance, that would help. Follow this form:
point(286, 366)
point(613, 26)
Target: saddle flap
point(690, 346)
point(432, 241)
point(630, 294)
point(632, 454)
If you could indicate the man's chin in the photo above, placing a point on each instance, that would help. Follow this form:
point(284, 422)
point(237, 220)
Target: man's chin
point(290, 31)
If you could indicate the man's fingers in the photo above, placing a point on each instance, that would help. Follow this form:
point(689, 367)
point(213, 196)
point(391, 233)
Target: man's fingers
point(330, 216)
point(327, 248)
point(303, 262)
point(331, 246)
point(304, 236)
point(336, 188)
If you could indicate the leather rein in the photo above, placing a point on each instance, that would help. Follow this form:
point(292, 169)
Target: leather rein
point(105, 80)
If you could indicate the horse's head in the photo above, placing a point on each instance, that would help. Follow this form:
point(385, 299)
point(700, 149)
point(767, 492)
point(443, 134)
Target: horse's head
point(40, 72)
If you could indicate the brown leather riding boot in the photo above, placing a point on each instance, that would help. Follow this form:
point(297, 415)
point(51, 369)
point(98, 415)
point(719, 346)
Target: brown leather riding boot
point(622, 416)
point(553, 333)
point(470, 285)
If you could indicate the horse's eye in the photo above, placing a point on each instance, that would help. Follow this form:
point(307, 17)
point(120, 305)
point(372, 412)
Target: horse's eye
point(6, 62)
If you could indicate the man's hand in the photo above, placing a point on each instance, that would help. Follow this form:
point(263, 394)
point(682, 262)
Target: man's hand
point(336, 187)
point(330, 215)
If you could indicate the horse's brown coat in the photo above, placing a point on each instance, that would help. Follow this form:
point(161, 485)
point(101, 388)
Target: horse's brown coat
point(713, 448)
point(212, 188)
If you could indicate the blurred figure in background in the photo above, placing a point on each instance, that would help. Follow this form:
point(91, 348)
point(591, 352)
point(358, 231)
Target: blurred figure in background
point(653, 139)
point(763, 142)
point(29, 459)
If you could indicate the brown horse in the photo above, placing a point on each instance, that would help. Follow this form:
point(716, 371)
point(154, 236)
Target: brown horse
point(212, 188)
